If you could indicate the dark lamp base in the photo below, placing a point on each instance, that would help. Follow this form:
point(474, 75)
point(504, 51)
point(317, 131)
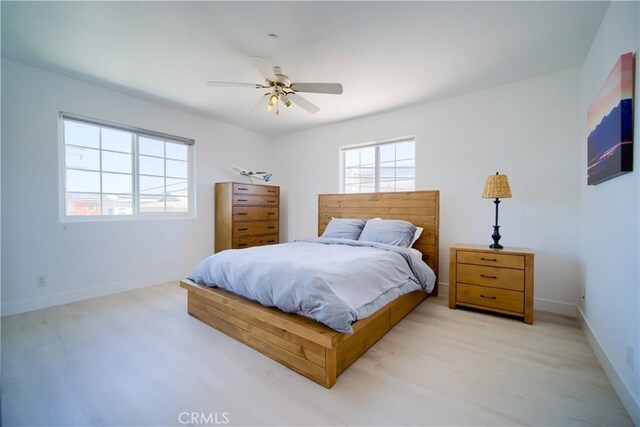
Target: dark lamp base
point(496, 246)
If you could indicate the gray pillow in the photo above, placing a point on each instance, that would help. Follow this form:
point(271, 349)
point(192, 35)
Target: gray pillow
point(389, 231)
point(344, 228)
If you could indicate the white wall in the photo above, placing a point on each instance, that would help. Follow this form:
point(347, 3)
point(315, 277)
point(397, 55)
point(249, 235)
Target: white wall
point(527, 130)
point(610, 216)
point(83, 260)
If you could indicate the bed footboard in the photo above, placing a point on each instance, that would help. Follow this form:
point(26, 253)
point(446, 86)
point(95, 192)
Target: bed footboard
point(303, 345)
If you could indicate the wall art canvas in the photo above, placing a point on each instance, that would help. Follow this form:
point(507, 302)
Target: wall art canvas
point(610, 121)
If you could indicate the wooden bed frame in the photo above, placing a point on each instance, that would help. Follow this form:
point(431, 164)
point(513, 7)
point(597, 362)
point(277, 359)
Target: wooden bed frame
point(302, 344)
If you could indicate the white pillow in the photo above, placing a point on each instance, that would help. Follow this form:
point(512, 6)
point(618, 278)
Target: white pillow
point(417, 235)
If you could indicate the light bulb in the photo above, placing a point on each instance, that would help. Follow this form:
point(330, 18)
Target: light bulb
point(273, 100)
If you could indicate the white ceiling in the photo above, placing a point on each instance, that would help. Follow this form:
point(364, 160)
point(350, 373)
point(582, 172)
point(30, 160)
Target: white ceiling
point(386, 54)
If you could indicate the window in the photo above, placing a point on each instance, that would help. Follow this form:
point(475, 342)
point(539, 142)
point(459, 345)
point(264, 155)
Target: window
point(112, 170)
point(387, 166)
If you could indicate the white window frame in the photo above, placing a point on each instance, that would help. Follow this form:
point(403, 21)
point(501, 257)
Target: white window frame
point(137, 132)
point(377, 160)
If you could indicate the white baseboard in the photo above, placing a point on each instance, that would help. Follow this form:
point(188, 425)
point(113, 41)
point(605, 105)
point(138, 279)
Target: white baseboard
point(629, 401)
point(24, 305)
point(540, 304)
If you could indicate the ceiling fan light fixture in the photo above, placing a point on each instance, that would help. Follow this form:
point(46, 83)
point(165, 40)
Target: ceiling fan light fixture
point(273, 100)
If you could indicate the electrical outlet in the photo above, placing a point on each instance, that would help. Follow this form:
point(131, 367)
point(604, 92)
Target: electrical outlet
point(41, 281)
point(630, 357)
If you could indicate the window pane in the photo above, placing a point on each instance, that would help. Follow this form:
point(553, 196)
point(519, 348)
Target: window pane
point(151, 166)
point(116, 140)
point(405, 150)
point(177, 187)
point(368, 155)
point(388, 185)
point(352, 158)
point(177, 151)
point(117, 204)
point(176, 168)
point(177, 204)
point(387, 152)
point(151, 185)
point(367, 187)
point(82, 204)
point(405, 185)
point(151, 147)
point(116, 162)
point(387, 170)
point(117, 183)
point(82, 181)
point(151, 203)
point(81, 134)
point(82, 158)
point(368, 172)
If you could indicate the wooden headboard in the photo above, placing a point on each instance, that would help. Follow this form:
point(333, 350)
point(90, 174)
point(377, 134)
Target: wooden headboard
point(421, 208)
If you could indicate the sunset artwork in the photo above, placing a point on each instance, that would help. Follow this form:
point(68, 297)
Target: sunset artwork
point(610, 121)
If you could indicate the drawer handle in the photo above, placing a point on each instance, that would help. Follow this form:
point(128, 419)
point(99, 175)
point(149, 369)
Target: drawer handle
point(270, 241)
point(243, 188)
point(489, 259)
point(271, 191)
point(242, 213)
point(271, 201)
point(242, 200)
point(242, 244)
point(271, 227)
point(484, 296)
point(488, 277)
point(242, 229)
point(271, 213)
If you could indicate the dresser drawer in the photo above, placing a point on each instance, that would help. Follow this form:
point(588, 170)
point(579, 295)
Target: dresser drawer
point(500, 299)
point(492, 259)
point(254, 214)
point(251, 200)
point(247, 242)
point(263, 190)
point(247, 229)
point(504, 278)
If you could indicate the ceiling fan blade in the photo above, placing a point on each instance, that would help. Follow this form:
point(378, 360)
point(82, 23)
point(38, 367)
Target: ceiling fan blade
point(303, 102)
point(331, 88)
point(263, 66)
point(233, 84)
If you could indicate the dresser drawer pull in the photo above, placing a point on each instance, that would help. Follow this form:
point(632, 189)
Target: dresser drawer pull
point(270, 241)
point(242, 229)
point(242, 200)
point(484, 296)
point(271, 227)
point(242, 213)
point(489, 259)
point(271, 213)
point(488, 277)
point(271, 191)
point(271, 201)
point(242, 244)
point(243, 188)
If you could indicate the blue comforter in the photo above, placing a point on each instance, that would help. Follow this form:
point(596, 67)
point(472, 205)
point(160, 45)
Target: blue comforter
point(334, 281)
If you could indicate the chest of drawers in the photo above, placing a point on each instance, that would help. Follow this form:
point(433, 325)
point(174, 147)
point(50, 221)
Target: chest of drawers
point(499, 280)
point(246, 215)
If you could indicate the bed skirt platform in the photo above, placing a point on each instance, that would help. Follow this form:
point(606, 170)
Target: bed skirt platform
point(302, 344)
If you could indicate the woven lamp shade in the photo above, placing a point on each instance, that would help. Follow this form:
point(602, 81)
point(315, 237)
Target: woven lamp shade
point(496, 187)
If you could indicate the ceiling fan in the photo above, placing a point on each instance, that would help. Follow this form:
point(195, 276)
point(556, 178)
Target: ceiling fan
point(281, 89)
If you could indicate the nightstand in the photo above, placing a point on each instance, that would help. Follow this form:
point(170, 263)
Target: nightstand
point(499, 280)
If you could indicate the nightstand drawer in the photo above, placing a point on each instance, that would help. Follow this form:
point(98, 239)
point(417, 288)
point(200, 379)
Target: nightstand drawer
point(504, 278)
point(501, 299)
point(491, 259)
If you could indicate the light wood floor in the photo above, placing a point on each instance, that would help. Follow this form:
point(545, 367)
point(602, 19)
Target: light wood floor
point(137, 358)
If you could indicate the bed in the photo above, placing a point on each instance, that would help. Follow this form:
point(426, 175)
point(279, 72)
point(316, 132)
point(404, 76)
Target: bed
point(300, 343)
